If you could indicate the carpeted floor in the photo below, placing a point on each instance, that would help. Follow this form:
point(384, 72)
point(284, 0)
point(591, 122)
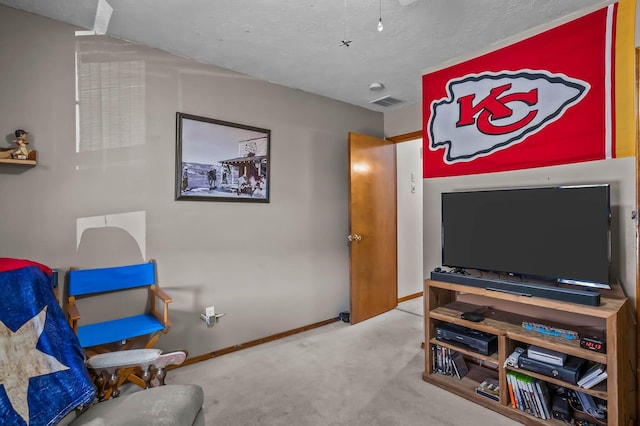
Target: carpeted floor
point(365, 374)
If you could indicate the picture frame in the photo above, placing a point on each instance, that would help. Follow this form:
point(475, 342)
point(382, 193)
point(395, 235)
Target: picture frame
point(221, 161)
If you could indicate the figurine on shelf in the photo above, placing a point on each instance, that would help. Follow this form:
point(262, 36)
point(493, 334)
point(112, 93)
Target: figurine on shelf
point(22, 153)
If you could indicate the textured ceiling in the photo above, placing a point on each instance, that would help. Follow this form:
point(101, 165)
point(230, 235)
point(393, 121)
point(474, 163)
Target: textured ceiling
point(297, 43)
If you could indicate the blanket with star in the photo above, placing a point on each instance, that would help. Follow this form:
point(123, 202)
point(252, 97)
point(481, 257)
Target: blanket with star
point(42, 372)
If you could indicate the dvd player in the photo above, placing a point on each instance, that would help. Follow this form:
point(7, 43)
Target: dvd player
point(473, 340)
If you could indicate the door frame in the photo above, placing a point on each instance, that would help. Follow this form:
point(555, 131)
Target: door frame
point(396, 140)
point(637, 209)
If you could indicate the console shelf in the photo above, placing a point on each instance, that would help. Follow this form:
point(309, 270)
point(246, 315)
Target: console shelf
point(504, 314)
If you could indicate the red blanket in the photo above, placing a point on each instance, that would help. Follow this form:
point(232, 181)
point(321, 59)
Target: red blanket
point(9, 264)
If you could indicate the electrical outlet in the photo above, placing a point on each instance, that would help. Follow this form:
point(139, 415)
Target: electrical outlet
point(210, 311)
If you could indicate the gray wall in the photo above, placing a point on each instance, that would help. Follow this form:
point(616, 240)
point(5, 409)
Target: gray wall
point(406, 119)
point(109, 199)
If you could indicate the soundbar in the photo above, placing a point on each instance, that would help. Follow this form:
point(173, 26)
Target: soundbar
point(582, 297)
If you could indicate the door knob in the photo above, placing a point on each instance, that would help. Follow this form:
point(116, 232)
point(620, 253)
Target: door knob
point(354, 237)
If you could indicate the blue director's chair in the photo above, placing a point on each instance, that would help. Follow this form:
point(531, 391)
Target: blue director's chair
point(103, 336)
point(92, 282)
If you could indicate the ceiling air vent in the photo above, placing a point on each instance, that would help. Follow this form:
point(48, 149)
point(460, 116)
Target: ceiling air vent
point(386, 101)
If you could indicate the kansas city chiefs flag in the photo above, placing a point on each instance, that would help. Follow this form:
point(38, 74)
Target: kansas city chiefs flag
point(547, 100)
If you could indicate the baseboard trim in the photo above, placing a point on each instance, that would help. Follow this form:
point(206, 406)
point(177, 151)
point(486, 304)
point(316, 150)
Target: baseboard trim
point(409, 297)
point(252, 343)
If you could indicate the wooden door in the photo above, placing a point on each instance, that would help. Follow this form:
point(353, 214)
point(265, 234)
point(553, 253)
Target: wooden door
point(373, 216)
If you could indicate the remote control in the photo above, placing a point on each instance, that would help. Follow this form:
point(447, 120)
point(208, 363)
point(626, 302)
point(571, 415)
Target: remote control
point(472, 316)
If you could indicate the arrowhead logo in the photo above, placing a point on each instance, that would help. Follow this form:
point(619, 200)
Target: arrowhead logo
point(488, 112)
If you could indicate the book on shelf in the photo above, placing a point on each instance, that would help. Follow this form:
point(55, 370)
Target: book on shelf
point(520, 402)
point(535, 396)
point(594, 371)
point(454, 369)
point(459, 366)
point(529, 395)
point(439, 368)
point(524, 392)
point(545, 398)
point(517, 392)
point(512, 396)
point(533, 401)
point(595, 380)
point(448, 362)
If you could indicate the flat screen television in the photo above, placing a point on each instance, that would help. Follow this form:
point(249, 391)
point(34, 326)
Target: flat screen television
point(559, 234)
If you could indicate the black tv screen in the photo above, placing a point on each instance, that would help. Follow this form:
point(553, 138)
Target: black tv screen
point(553, 233)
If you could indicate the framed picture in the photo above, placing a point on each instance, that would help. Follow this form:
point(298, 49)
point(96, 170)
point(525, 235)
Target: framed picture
point(221, 161)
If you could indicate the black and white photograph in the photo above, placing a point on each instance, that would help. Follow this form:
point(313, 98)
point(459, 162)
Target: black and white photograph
point(221, 161)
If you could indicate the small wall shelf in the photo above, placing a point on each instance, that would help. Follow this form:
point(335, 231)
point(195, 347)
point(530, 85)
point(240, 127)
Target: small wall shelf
point(31, 161)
